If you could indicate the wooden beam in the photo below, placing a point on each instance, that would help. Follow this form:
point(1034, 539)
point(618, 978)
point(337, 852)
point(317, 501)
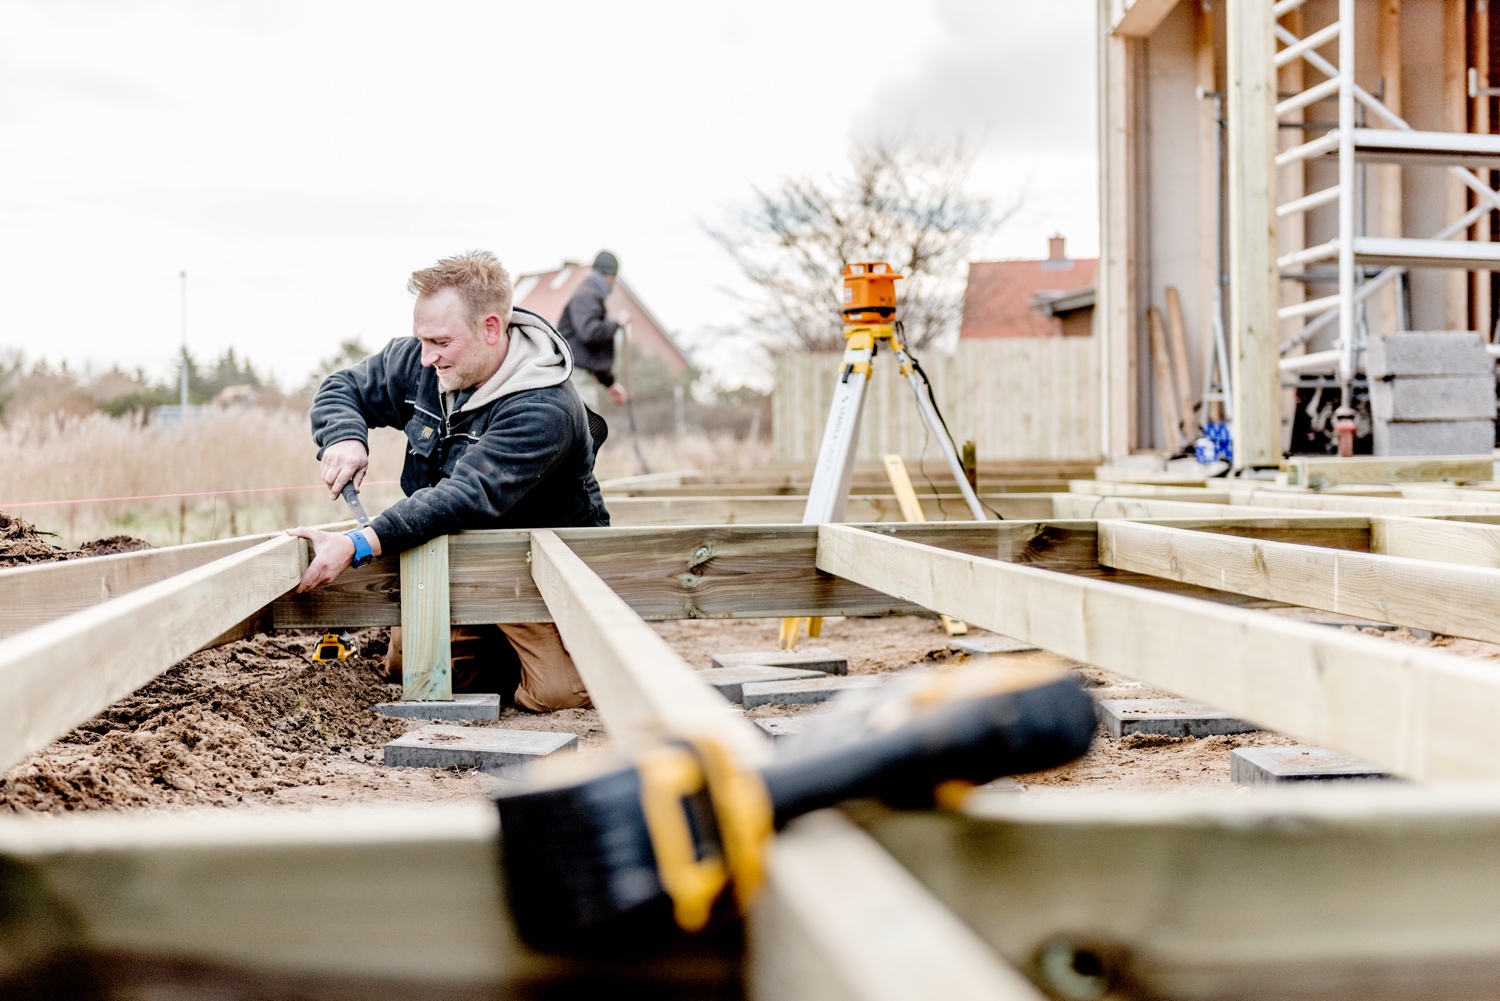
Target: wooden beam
point(426, 659)
point(1118, 224)
point(862, 508)
point(1319, 471)
point(644, 691)
point(1224, 895)
point(1289, 500)
point(59, 674)
point(1414, 712)
point(1142, 17)
point(1460, 542)
point(1253, 279)
point(31, 595)
point(860, 926)
point(1446, 599)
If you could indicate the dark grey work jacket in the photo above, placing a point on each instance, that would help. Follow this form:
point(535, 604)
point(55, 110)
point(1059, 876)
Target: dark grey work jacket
point(590, 333)
point(524, 459)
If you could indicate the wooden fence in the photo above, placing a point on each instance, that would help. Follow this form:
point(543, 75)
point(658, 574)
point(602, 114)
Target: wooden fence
point(1018, 398)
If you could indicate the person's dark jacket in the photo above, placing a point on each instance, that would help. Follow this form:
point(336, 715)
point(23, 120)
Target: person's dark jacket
point(590, 333)
point(518, 459)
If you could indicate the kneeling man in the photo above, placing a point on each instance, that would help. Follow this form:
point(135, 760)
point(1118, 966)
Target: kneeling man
point(496, 438)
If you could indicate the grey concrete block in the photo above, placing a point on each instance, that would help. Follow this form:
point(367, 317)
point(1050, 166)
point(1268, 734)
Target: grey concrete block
point(780, 729)
point(768, 693)
point(1268, 765)
point(814, 658)
point(1444, 353)
point(1435, 438)
point(978, 644)
point(729, 681)
point(1434, 398)
point(462, 707)
point(490, 749)
point(1171, 717)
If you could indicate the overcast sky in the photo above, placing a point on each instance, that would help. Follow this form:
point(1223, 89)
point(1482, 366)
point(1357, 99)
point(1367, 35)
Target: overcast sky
point(299, 159)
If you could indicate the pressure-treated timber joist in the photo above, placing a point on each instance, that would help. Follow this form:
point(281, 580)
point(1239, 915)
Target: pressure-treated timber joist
point(645, 691)
point(59, 674)
point(1453, 600)
point(1358, 891)
point(1414, 712)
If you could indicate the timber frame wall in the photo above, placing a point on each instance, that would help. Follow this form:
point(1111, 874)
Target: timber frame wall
point(1165, 589)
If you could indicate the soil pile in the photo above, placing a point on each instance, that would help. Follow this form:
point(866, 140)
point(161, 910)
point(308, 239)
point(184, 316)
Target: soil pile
point(21, 543)
point(226, 726)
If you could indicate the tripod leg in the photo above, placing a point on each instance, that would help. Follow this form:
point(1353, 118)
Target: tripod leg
point(935, 425)
point(829, 493)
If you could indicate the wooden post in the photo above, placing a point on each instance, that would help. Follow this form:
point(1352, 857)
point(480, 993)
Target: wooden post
point(1456, 119)
point(426, 658)
point(1483, 126)
point(1117, 295)
point(1253, 281)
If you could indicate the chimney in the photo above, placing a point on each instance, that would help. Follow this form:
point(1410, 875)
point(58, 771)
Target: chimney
point(1055, 250)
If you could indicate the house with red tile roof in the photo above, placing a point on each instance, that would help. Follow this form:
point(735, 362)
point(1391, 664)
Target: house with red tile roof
point(1016, 298)
point(547, 292)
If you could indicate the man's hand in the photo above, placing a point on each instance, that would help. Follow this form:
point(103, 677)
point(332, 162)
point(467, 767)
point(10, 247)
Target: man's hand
point(616, 393)
point(344, 462)
point(333, 552)
point(622, 317)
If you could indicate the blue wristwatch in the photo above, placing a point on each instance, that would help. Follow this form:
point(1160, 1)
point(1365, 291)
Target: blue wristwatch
point(362, 551)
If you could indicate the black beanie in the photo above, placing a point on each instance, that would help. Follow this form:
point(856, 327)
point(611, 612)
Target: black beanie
point(606, 264)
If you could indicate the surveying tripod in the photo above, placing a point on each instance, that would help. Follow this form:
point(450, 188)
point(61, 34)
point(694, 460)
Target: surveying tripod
point(869, 309)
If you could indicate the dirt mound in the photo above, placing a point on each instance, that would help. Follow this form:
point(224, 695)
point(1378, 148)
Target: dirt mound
point(225, 726)
point(22, 543)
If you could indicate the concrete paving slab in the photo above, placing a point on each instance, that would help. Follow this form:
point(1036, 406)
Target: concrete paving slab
point(787, 726)
point(729, 681)
point(488, 748)
point(1301, 763)
point(1434, 437)
point(1170, 717)
point(766, 693)
point(985, 644)
point(468, 706)
point(813, 658)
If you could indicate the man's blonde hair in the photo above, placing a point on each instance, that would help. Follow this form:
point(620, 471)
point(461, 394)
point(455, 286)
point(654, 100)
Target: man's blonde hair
point(477, 275)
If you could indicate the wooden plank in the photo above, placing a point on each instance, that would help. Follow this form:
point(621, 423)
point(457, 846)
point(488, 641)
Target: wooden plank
point(1142, 17)
point(644, 691)
point(1253, 279)
point(1460, 542)
point(1181, 372)
point(32, 595)
point(426, 659)
point(1116, 312)
point(1164, 383)
point(59, 674)
point(862, 508)
point(1288, 500)
point(1218, 895)
point(1414, 712)
point(641, 687)
point(1201, 491)
point(860, 926)
point(1327, 471)
point(1446, 599)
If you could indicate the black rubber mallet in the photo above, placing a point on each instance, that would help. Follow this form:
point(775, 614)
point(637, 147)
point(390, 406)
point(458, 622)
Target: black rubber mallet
point(614, 855)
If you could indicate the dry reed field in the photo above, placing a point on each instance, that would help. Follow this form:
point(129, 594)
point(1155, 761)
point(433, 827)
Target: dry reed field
point(78, 458)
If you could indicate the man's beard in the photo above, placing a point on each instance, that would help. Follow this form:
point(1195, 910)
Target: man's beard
point(461, 377)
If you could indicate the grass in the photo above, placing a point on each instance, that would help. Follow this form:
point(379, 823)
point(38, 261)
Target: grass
point(57, 458)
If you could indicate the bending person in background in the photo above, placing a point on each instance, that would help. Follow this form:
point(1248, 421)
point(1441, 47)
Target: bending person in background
point(589, 329)
point(496, 437)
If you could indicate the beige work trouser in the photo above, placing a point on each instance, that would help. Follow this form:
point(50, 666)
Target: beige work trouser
point(548, 678)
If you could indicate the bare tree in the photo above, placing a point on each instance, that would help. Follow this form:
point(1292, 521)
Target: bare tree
point(896, 203)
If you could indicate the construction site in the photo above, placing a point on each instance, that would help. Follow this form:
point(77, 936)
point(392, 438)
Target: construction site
point(1139, 647)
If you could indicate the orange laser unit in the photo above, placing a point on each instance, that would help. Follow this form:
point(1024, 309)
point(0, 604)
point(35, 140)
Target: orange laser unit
point(869, 292)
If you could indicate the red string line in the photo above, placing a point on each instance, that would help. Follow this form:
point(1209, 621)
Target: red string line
point(200, 493)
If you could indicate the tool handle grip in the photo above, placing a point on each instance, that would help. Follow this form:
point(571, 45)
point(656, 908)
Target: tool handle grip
point(351, 497)
point(973, 740)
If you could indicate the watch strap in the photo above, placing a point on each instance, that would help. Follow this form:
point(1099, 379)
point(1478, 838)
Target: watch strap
point(362, 551)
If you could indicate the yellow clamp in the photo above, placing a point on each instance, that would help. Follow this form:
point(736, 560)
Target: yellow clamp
point(742, 811)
